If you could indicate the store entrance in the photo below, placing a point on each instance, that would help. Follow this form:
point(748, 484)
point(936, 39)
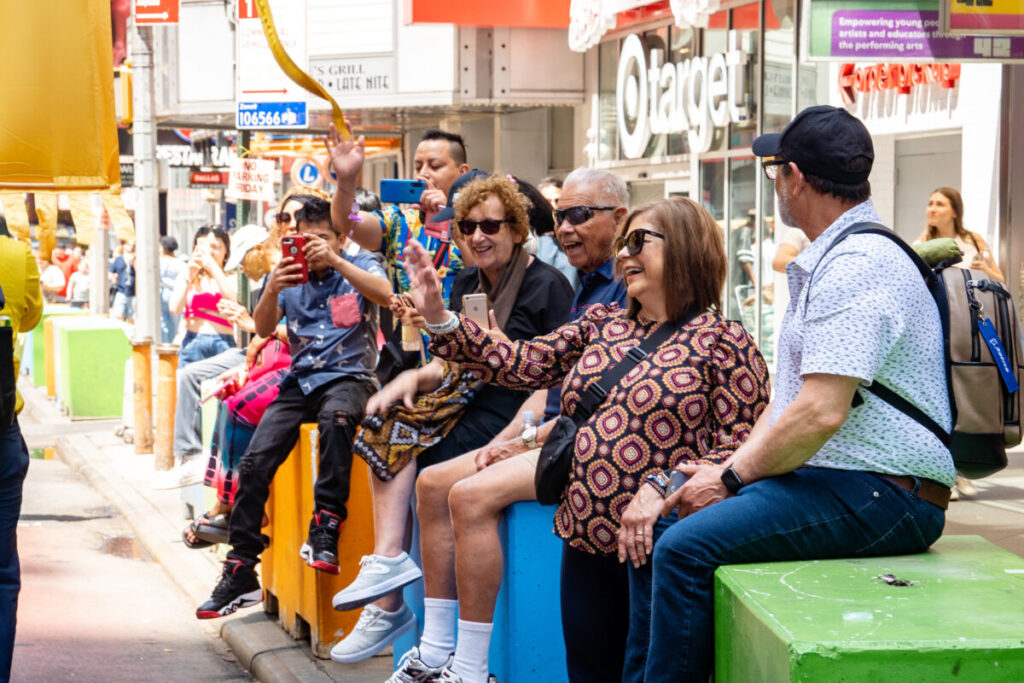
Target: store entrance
point(923, 164)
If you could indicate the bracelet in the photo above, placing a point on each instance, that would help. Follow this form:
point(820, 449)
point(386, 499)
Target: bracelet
point(659, 481)
point(354, 213)
point(446, 327)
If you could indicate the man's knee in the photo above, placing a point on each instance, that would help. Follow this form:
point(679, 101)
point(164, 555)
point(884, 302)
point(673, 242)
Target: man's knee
point(432, 487)
point(471, 498)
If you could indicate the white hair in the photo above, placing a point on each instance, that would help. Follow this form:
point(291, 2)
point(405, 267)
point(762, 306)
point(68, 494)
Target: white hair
point(611, 190)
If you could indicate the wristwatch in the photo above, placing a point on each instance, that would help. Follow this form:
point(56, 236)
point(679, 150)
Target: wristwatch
point(731, 480)
point(529, 436)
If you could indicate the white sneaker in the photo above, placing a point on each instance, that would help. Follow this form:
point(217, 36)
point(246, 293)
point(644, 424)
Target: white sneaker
point(375, 630)
point(377, 577)
point(187, 473)
point(412, 669)
point(966, 486)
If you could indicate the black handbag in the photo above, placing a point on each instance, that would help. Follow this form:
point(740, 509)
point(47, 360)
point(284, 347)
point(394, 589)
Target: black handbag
point(7, 378)
point(556, 455)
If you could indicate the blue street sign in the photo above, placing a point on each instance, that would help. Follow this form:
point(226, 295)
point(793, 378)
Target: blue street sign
point(309, 173)
point(272, 115)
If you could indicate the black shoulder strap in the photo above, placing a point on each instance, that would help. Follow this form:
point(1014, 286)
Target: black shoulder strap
point(877, 388)
point(596, 392)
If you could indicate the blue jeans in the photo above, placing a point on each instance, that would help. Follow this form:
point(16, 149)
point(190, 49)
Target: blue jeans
point(168, 321)
point(811, 513)
point(196, 347)
point(13, 468)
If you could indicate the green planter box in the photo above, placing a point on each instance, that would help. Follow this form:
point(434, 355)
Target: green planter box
point(33, 358)
point(962, 619)
point(91, 355)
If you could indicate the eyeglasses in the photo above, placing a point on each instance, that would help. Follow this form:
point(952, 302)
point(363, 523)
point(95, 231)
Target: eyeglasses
point(771, 168)
point(577, 215)
point(635, 240)
point(283, 217)
point(488, 226)
point(215, 230)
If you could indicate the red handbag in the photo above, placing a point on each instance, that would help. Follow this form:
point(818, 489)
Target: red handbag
point(270, 366)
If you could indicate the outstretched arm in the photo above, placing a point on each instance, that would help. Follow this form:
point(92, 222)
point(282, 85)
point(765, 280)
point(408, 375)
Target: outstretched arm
point(347, 159)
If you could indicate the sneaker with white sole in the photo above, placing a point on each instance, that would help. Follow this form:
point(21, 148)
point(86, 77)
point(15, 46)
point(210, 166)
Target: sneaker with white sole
point(186, 474)
point(378, 576)
point(375, 630)
point(412, 669)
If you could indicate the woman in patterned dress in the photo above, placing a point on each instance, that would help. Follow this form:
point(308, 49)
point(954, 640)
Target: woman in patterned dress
point(693, 400)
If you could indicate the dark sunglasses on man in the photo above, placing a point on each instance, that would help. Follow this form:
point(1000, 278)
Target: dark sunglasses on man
point(488, 226)
point(634, 242)
point(577, 215)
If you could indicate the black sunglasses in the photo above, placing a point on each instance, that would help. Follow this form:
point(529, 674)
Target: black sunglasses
point(488, 226)
point(634, 241)
point(283, 217)
point(577, 215)
point(771, 168)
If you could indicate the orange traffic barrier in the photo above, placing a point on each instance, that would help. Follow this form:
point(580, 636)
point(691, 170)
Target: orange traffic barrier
point(166, 401)
point(299, 594)
point(142, 390)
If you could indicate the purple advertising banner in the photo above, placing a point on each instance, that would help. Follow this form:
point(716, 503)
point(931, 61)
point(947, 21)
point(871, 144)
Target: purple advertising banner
point(911, 35)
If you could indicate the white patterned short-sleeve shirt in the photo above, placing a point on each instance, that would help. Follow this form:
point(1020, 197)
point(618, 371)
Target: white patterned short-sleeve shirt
point(867, 314)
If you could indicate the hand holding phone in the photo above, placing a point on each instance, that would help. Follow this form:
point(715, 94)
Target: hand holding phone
point(394, 191)
point(474, 307)
point(676, 481)
point(294, 247)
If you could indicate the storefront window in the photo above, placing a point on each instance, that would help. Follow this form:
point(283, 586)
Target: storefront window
point(814, 82)
point(741, 243)
point(608, 132)
point(744, 36)
point(778, 64)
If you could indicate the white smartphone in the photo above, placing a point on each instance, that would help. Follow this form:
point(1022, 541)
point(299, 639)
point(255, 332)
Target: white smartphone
point(474, 307)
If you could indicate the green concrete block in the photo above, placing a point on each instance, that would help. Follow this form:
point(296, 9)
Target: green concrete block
point(34, 341)
point(961, 619)
point(207, 414)
point(91, 356)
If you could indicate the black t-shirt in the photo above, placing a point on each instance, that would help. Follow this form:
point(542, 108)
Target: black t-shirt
point(543, 304)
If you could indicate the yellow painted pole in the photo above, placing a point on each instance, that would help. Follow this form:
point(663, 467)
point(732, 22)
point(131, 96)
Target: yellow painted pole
point(166, 401)
point(142, 388)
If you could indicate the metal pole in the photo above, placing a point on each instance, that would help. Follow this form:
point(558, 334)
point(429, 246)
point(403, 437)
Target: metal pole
point(147, 216)
point(166, 400)
point(142, 389)
point(99, 287)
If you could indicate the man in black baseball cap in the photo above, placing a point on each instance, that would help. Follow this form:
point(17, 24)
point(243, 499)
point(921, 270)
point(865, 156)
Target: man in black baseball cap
point(825, 477)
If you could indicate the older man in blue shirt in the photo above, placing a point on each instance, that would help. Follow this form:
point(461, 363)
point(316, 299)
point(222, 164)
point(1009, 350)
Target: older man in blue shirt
point(332, 329)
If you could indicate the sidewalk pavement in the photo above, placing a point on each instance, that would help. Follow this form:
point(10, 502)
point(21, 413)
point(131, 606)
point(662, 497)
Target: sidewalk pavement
point(156, 517)
point(259, 643)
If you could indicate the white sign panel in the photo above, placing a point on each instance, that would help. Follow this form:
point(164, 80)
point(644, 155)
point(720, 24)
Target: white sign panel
point(252, 179)
point(345, 77)
point(265, 96)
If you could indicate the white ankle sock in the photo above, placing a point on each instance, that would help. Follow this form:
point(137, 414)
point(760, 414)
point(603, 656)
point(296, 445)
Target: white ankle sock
point(438, 638)
point(471, 652)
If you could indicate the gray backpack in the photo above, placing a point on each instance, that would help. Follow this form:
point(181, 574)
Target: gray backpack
point(983, 361)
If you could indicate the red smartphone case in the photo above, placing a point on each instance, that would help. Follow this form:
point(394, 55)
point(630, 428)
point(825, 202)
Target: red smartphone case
point(294, 246)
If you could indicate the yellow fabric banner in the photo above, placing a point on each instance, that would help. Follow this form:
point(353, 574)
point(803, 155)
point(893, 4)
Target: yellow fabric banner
point(120, 221)
point(83, 216)
point(16, 214)
point(58, 130)
point(46, 231)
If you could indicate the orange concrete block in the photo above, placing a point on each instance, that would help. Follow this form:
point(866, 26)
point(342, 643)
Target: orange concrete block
point(302, 594)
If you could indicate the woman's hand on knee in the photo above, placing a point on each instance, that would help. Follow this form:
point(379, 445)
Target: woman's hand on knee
point(636, 528)
point(495, 452)
point(401, 388)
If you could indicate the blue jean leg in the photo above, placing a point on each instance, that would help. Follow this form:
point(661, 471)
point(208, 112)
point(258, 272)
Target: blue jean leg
point(640, 580)
point(807, 514)
point(197, 347)
point(13, 468)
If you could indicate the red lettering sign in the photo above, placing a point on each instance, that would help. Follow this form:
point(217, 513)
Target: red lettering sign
point(899, 77)
point(209, 178)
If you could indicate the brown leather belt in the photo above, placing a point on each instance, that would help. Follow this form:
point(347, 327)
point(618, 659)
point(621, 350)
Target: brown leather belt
point(930, 491)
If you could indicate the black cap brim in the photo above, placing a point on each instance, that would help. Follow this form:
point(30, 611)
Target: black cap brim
point(768, 145)
point(445, 214)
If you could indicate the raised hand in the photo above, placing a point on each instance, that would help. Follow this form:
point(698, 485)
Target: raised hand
point(346, 155)
point(426, 289)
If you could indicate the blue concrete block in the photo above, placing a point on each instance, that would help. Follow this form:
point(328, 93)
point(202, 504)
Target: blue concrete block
point(527, 643)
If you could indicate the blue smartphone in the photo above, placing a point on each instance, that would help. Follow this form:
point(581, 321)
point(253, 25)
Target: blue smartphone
point(401, 191)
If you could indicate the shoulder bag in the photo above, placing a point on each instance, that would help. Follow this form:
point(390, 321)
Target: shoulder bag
point(556, 455)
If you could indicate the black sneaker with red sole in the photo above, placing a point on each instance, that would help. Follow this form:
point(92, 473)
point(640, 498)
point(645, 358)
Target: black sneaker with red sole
point(320, 551)
point(238, 587)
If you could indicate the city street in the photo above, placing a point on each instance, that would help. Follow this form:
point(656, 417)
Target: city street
point(94, 606)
